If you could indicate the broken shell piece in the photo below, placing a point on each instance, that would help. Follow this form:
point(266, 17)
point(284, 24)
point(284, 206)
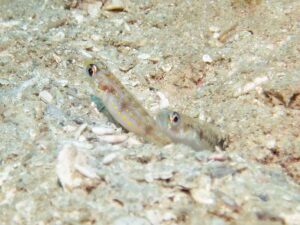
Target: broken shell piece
point(214, 29)
point(46, 97)
point(69, 128)
point(149, 177)
point(169, 216)
point(109, 158)
point(133, 142)
point(73, 169)
point(114, 139)
point(166, 175)
point(56, 58)
point(94, 9)
point(103, 130)
point(80, 130)
point(218, 157)
point(114, 6)
point(203, 196)
point(133, 220)
point(167, 68)
point(164, 102)
point(251, 85)
point(207, 59)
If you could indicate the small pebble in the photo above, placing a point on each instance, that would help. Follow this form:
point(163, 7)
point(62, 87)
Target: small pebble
point(95, 37)
point(82, 138)
point(4, 82)
point(133, 142)
point(216, 35)
point(271, 143)
point(154, 216)
point(56, 58)
point(202, 156)
point(78, 17)
point(206, 58)
point(80, 130)
point(218, 157)
point(115, 6)
point(114, 139)
point(169, 216)
point(144, 56)
point(135, 83)
point(103, 130)
point(109, 158)
point(94, 9)
point(72, 167)
point(131, 220)
point(154, 59)
point(63, 83)
point(166, 68)
point(202, 116)
point(214, 29)
point(149, 177)
point(59, 36)
point(82, 145)
point(39, 112)
point(127, 27)
point(164, 102)
point(166, 175)
point(203, 196)
point(45, 96)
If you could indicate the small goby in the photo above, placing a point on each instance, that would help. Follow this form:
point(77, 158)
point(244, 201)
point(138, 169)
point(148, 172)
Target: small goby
point(123, 106)
point(187, 130)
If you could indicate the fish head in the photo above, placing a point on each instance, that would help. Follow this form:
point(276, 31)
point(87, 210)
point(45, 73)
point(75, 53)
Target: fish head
point(95, 69)
point(169, 120)
point(101, 77)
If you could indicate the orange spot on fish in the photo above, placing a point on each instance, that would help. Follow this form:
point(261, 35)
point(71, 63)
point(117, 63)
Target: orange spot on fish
point(107, 88)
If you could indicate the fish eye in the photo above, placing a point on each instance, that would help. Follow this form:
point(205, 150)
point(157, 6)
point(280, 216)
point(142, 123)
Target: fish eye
point(92, 69)
point(175, 117)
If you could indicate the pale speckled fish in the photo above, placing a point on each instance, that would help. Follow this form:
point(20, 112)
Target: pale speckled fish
point(184, 129)
point(123, 106)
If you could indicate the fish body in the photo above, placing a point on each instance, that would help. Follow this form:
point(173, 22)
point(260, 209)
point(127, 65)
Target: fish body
point(123, 106)
point(187, 130)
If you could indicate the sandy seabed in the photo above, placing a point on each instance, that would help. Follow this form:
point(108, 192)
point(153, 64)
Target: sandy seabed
point(232, 63)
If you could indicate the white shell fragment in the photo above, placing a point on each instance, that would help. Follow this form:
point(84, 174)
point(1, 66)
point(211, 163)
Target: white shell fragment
point(203, 196)
point(144, 56)
point(270, 142)
point(114, 139)
point(45, 96)
point(149, 177)
point(103, 130)
point(164, 102)
point(207, 59)
point(94, 9)
point(251, 85)
point(115, 6)
point(202, 192)
point(80, 130)
point(109, 158)
point(169, 216)
point(73, 169)
point(133, 142)
point(214, 29)
point(167, 68)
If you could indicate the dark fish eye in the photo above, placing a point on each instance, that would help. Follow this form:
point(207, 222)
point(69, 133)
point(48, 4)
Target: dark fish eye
point(175, 117)
point(92, 69)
